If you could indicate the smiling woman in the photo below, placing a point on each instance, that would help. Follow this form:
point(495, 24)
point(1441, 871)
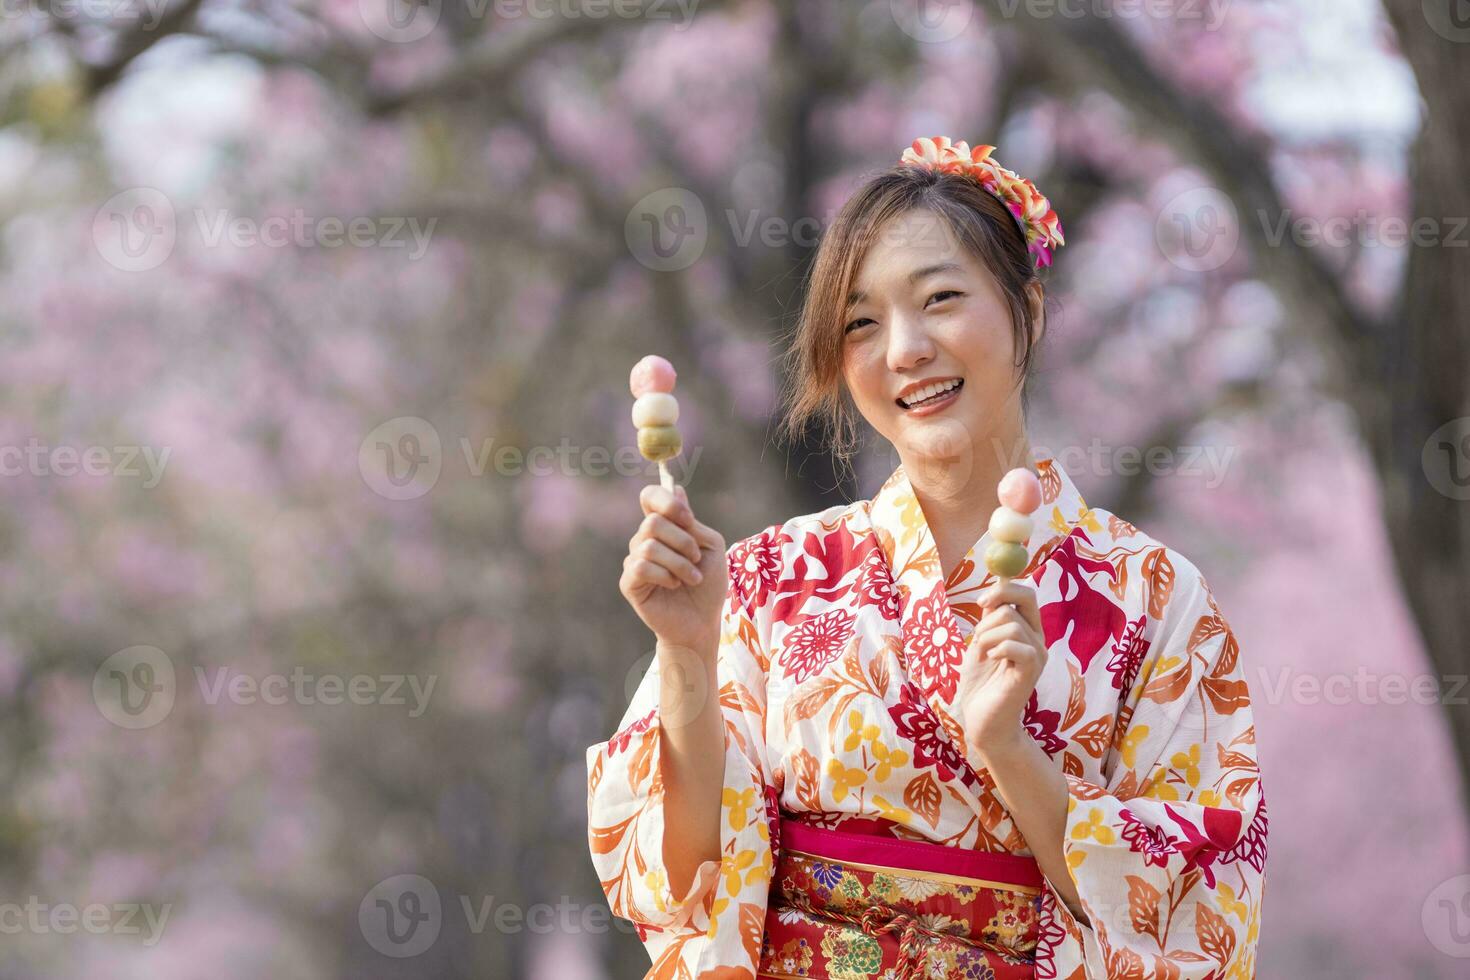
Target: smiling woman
point(935, 244)
point(859, 753)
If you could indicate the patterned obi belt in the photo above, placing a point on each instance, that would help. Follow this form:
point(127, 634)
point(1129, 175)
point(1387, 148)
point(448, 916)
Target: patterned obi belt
point(851, 905)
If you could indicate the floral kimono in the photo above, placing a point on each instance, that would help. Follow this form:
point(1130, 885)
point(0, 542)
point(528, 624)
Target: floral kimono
point(842, 648)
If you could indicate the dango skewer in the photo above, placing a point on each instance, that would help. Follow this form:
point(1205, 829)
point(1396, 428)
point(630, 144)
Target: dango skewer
point(655, 413)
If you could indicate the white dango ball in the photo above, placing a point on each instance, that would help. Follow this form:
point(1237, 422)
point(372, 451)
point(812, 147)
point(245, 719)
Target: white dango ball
point(1010, 525)
point(655, 408)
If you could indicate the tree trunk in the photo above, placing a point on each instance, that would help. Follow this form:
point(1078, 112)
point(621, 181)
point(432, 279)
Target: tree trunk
point(1425, 365)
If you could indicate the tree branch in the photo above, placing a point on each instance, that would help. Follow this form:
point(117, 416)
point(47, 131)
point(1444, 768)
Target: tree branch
point(129, 45)
point(1098, 52)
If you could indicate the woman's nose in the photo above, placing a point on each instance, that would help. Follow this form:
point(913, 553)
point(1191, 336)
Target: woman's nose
point(909, 345)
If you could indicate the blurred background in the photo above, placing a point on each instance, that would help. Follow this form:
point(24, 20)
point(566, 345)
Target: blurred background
point(317, 467)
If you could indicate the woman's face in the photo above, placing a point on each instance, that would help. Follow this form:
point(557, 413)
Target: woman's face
point(929, 316)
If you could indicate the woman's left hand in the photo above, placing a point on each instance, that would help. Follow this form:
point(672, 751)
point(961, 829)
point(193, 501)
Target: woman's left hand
point(1005, 657)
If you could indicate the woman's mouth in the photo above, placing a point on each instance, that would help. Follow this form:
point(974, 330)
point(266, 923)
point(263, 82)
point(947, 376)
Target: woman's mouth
point(930, 399)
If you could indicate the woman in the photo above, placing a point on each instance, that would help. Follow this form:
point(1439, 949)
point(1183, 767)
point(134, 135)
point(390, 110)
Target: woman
point(855, 754)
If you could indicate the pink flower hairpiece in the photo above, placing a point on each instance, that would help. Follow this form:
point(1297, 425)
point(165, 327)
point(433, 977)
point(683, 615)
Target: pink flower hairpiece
point(1033, 212)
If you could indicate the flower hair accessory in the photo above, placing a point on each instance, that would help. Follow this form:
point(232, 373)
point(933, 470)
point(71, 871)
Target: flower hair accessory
point(1039, 223)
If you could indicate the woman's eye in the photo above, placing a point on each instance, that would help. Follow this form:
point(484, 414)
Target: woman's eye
point(855, 325)
point(943, 293)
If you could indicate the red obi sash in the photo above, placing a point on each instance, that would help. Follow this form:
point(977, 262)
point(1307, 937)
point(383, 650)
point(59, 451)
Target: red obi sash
point(849, 905)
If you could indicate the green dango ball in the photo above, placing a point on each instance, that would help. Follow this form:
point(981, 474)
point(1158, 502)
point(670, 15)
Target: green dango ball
point(1005, 559)
point(659, 442)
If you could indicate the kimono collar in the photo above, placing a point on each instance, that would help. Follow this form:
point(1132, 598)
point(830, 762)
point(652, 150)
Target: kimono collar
point(907, 543)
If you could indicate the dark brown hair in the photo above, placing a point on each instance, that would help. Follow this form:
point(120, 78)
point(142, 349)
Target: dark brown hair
point(982, 224)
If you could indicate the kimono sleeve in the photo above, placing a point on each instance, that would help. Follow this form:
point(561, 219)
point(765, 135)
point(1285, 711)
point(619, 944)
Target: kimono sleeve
point(1169, 856)
point(709, 926)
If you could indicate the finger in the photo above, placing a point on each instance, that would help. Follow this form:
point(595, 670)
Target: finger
point(656, 500)
point(992, 636)
point(661, 554)
point(657, 527)
point(707, 536)
point(1000, 616)
point(1023, 655)
point(1022, 597)
point(646, 572)
point(1010, 592)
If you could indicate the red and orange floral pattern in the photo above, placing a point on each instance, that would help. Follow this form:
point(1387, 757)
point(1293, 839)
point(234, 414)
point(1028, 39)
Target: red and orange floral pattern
point(843, 645)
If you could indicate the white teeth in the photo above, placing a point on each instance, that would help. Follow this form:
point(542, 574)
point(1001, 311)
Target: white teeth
point(929, 391)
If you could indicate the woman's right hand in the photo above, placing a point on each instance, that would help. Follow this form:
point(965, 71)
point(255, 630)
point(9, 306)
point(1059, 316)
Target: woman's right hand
point(675, 575)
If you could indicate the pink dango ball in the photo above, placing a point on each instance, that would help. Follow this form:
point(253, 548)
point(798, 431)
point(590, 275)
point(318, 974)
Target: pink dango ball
point(652, 374)
point(1020, 490)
